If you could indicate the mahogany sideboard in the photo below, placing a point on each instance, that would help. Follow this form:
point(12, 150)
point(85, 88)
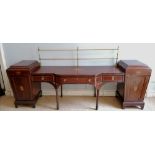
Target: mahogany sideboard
point(132, 79)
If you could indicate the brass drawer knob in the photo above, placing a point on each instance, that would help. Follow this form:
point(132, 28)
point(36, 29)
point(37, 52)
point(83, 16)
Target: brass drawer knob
point(64, 80)
point(89, 80)
point(42, 78)
point(21, 88)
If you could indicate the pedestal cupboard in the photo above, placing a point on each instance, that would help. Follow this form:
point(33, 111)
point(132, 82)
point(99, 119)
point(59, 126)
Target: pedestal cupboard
point(24, 89)
point(132, 90)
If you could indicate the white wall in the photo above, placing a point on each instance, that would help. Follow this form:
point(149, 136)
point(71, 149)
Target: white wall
point(142, 52)
point(25, 51)
point(139, 51)
point(15, 52)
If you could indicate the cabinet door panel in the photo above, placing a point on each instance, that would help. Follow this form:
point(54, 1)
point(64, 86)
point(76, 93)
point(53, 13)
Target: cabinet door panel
point(134, 86)
point(21, 87)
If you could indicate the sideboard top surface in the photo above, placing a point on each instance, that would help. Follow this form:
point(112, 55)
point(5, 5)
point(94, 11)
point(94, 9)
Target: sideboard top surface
point(29, 65)
point(81, 70)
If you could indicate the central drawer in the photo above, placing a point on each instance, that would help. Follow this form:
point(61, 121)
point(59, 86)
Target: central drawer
point(43, 78)
point(111, 78)
point(75, 80)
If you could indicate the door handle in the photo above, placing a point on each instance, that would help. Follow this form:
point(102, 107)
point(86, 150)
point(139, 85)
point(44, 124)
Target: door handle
point(21, 88)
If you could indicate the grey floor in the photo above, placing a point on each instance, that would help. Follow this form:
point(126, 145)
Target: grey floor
point(73, 103)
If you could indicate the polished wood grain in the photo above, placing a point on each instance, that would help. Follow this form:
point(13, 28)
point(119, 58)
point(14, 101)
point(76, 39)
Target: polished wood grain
point(43, 78)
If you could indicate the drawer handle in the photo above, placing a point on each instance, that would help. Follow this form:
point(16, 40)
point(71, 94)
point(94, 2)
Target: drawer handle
point(42, 78)
point(64, 80)
point(89, 80)
point(113, 78)
point(21, 88)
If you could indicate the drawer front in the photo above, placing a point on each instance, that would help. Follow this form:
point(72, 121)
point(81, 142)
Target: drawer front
point(47, 78)
point(75, 80)
point(119, 78)
point(113, 78)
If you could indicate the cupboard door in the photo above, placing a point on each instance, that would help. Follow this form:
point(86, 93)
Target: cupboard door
point(21, 87)
point(133, 87)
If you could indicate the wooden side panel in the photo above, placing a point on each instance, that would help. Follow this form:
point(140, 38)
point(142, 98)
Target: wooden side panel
point(134, 88)
point(146, 82)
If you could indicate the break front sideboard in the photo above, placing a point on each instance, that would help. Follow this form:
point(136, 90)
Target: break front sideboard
point(132, 79)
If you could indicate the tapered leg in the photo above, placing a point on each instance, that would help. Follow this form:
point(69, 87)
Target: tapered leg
point(94, 92)
point(61, 91)
point(97, 99)
point(57, 98)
